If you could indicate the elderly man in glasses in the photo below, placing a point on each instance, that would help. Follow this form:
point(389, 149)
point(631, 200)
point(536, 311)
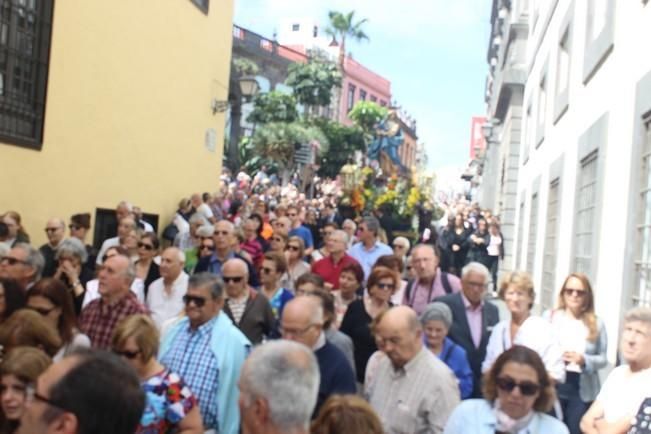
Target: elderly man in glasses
point(207, 350)
point(165, 295)
point(22, 263)
point(55, 229)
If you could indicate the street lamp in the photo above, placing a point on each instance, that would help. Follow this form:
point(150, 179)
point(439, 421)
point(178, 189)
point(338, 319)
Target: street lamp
point(249, 87)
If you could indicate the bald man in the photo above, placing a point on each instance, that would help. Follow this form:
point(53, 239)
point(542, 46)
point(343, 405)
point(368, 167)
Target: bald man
point(165, 294)
point(412, 390)
point(249, 310)
point(302, 321)
point(55, 229)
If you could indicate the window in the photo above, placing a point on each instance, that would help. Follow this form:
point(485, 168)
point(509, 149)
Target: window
point(351, 96)
point(527, 134)
point(586, 209)
point(600, 36)
point(373, 98)
point(597, 18)
point(362, 94)
point(642, 289)
point(315, 31)
point(533, 228)
point(519, 245)
point(541, 110)
point(563, 63)
point(25, 28)
point(549, 252)
point(383, 103)
point(296, 27)
point(202, 4)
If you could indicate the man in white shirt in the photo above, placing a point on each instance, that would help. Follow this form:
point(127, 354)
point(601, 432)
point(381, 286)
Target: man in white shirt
point(165, 296)
point(202, 208)
point(126, 225)
point(627, 385)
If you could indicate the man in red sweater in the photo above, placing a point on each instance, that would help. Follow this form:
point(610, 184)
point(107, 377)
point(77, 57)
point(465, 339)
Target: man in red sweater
point(330, 267)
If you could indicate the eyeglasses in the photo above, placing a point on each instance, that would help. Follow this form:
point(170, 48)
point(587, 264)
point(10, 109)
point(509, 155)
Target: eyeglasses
point(206, 247)
point(41, 311)
point(294, 248)
point(224, 233)
point(576, 292)
point(266, 270)
point(145, 246)
point(127, 354)
point(527, 388)
point(32, 395)
point(198, 301)
point(12, 261)
point(74, 227)
point(386, 286)
point(233, 279)
point(295, 332)
point(51, 229)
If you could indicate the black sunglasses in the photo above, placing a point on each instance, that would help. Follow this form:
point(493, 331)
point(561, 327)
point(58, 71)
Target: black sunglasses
point(527, 388)
point(205, 247)
point(294, 248)
point(128, 354)
point(266, 270)
point(198, 301)
point(386, 286)
point(73, 227)
point(12, 261)
point(145, 246)
point(234, 279)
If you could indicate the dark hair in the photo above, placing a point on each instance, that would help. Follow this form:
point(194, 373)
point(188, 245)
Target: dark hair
point(278, 259)
point(210, 280)
point(121, 252)
point(524, 356)
point(153, 238)
point(91, 392)
point(390, 261)
point(312, 278)
point(14, 297)
point(82, 219)
point(330, 224)
point(328, 303)
point(56, 291)
point(380, 273)
point(346, 413)
point(4, 229)
point(258, 218)
point(28, 328)
point(356, 270)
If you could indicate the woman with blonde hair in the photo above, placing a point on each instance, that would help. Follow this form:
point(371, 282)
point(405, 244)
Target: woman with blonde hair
point(170, 405)
point(20, 368)
point(582, 339)
point(346, 414)
point(523, 328)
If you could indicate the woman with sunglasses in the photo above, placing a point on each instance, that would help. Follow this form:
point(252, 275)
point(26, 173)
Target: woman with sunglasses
point(278, 241)
point(50, 299)
point(21, 367)
point(296, 266)
point(582, 338)
point(523, 328)
point(517, 394)
point(170, 406)
point(146, 269)
point(273, 268)
point(381, 285)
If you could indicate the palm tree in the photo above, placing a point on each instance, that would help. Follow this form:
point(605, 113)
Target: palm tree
point(344, 26)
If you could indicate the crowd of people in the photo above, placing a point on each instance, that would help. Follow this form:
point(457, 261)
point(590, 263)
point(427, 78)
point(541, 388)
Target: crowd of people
point(261, 311)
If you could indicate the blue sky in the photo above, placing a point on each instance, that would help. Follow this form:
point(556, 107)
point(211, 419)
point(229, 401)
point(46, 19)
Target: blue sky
point(433, 51)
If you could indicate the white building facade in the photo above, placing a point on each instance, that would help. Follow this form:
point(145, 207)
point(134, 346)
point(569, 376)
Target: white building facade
point(582, 166)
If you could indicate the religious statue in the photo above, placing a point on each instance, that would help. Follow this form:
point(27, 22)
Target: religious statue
point(388, 138)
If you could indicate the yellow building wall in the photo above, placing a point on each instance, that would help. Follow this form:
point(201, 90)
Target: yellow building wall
point(128, 106)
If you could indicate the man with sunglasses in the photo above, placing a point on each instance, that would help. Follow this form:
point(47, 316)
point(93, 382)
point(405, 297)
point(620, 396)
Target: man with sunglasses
point(85, 393)
point(297, 228)
point(165, 295)
point(23, 263)
point(207, 350)
point(302, 321)
point(412, 391)
point(55, 230)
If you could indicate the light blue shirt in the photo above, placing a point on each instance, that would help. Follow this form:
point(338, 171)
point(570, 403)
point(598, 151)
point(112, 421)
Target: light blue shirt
point(476, 416)
point(367, 258)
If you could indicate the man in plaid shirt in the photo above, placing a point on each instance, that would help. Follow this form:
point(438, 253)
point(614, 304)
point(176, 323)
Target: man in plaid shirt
point(116, 301)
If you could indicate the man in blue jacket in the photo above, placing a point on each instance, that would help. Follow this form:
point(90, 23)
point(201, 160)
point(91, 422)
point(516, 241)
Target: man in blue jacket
point(207, 350)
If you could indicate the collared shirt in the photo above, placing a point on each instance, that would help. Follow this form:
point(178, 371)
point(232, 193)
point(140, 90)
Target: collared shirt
point(415, 398)
point(422, 295)
point(477, 416)
point(191, 357)
point(215, 265)
point(368, 257)
point(329, 270)
point(474, 317)
point(98, 319)
point(165, 305)
point(304, 233)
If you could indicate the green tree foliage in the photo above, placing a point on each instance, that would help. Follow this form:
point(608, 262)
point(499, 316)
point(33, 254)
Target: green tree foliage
point(274, 106)
point(313, 82)
point(245, 66)
point(251, 160)
point(343, 142)
point(343, 26)
point(366, 114)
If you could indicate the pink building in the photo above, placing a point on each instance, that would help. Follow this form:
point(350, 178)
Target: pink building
point(477, 139)
point(361, 84)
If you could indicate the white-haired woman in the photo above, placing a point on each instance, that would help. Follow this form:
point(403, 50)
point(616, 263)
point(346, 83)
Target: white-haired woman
point(71, 256)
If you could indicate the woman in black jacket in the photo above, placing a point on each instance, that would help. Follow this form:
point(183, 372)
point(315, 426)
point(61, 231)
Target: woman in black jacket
point(477, 244)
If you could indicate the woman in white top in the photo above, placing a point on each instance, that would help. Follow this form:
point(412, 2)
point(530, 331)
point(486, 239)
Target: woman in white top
point(296, 266)
point(516, 289)
point(582, 338)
